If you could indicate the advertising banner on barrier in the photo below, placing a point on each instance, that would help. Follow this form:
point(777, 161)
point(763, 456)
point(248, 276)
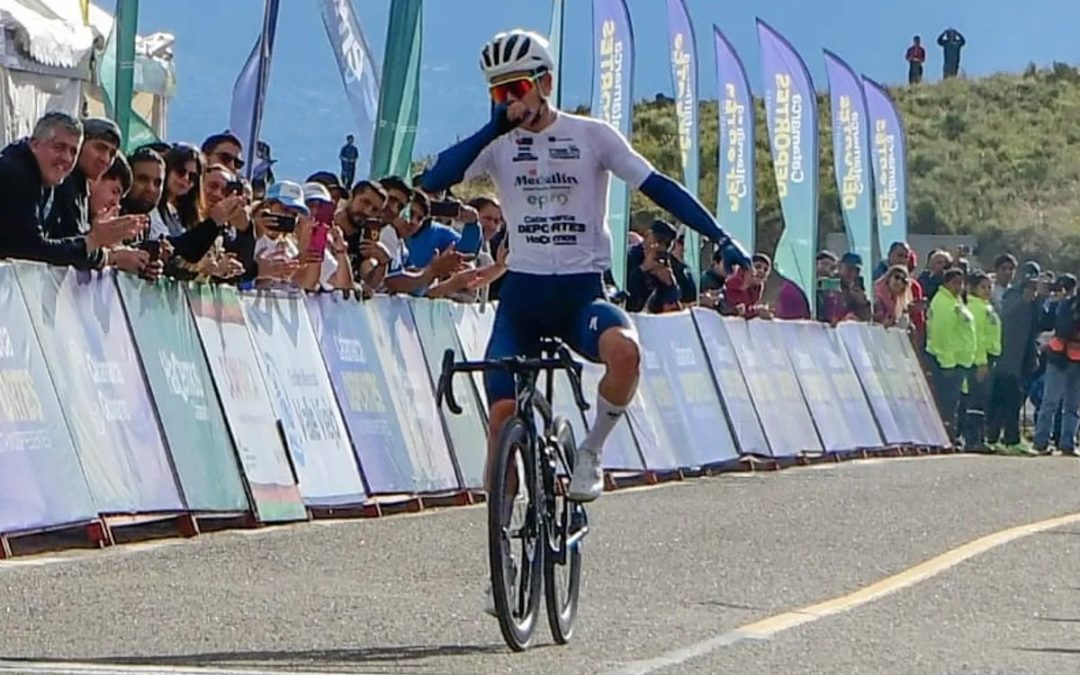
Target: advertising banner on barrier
point(621, 451)
point(84, 336)
point(219, 317)
point(398, 347)
point(303, 400)
point(468, 431)
point(41, 482)
point(473, 323)
point(833, 394)
point(773, 386)
point(934, 433)
point(687, 404)
point(799, 343)
point(854, 338)
point(183, 392)
point(898, 387)
point(834, 361)
point(728, 378)
point(363, 395)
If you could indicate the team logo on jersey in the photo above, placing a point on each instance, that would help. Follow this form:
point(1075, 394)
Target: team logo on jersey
point(568, 152)
point(524, 150)
point(534, 180)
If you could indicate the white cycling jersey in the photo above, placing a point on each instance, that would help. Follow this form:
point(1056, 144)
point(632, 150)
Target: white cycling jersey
point(554, 191)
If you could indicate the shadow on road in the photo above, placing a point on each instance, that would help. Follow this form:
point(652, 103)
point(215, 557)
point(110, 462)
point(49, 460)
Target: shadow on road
point(401, 654)
point(1057, 619)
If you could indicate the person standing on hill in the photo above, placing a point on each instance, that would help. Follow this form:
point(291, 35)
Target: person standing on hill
point(951, 41)
point(916, 57)
point(349, 156)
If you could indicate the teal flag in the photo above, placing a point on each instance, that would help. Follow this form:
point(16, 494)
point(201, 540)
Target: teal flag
point(612, 101)
point(684, 77)
point(399, 100)
point(555, 43)
point(851, 156)
point(791, 114)
point(116, 76)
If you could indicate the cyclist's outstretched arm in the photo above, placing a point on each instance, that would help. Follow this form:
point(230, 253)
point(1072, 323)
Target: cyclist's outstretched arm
point(622, 160)
point(451, 164)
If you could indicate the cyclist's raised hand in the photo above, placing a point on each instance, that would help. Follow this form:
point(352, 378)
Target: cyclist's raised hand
point(734, 255)
point(507, 116)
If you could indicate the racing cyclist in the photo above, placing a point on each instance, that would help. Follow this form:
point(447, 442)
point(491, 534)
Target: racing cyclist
point(552, 171)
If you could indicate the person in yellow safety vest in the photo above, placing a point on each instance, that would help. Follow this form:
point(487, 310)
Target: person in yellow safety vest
point(987, 349)
point(1062, 383)
point(950, 341)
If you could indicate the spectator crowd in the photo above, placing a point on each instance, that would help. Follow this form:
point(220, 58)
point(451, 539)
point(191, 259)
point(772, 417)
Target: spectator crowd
point(990, 340)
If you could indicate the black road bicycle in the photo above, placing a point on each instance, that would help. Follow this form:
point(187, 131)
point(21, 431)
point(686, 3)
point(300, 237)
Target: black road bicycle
point(529, 473)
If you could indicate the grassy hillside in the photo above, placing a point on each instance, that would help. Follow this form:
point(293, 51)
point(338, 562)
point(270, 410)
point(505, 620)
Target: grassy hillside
point(997, 157)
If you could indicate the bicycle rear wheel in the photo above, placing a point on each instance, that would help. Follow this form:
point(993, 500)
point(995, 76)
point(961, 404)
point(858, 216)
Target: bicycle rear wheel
point(515, 580)
point(562, 563)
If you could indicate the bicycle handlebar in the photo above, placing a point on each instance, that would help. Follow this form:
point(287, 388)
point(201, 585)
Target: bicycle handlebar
point(514, 365)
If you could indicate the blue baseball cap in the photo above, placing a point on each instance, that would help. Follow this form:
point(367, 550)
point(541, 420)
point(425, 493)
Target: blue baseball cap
point(288, 194)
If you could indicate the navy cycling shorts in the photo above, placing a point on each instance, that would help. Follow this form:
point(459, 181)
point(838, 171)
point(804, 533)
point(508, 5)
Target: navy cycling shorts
point(534, 306)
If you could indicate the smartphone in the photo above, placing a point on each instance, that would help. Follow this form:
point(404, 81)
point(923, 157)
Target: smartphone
point(323, 212)
point(153, 247)
point(281, 222)
point(445, 209)
point(372, 229)
point(234, 187)
point(829, 284)
point(319, 235)
point(470, 239)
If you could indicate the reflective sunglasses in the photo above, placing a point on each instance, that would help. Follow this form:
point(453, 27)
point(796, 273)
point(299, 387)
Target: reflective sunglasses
point(234, 160)
point(518, 88)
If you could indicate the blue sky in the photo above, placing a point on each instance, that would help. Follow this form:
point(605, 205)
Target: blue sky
point(308, 114)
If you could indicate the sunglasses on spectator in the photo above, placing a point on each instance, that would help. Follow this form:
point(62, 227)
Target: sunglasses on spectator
point(518, 88)
point(227, 159)
point(190, 175)
point(899, 277)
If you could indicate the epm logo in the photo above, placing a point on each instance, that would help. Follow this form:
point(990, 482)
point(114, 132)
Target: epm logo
point(524, 150)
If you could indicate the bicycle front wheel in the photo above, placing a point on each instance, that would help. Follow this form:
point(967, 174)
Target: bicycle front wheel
point(515, 540)
point(562, 555)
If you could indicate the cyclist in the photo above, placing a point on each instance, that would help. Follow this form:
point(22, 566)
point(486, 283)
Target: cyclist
point(552, 171)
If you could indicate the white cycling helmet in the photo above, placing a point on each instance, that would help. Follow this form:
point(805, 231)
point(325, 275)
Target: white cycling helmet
point(515, 51)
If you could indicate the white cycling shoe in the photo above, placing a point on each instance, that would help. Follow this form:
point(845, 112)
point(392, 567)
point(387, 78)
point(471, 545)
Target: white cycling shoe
point(587, 481)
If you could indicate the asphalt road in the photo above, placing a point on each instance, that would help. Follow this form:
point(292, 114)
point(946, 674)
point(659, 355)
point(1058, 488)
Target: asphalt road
point(671, 573)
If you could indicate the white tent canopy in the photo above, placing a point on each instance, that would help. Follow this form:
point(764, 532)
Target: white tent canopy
point(46, 59)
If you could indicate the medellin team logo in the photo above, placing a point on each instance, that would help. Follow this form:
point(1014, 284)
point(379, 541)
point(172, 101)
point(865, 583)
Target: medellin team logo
point(524, 150)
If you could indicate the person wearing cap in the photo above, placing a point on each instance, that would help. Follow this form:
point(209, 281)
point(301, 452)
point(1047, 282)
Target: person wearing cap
point(849, 302)
point(338, 191)
point(31, 169)
point(649, 265)
point(1060, 403)
point(70, 213)
point(951, 343)
point(744, 289)
point(334, 270)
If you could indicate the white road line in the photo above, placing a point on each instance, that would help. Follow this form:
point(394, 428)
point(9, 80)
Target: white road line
point(766, 628)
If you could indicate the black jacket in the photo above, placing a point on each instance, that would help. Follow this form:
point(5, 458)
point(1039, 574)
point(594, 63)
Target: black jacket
point(23, 199)
point(640, 285)
point(70, 212)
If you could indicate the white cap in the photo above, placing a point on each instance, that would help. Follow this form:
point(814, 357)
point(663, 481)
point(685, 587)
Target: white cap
point(317, 192)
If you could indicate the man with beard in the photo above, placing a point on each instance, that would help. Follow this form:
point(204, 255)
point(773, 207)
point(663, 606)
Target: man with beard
point(147, 180)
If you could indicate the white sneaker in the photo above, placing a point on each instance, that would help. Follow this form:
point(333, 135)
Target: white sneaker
point(587, 481)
